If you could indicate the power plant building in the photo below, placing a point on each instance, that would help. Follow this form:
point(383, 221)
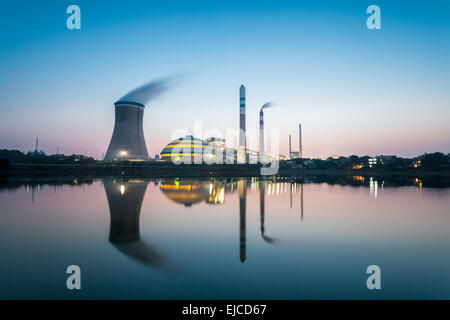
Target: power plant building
point(222, 154)
point(187, 150)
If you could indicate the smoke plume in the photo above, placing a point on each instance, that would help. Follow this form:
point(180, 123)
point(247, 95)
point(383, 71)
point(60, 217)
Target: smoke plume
point(267, 105)
point(147, 92)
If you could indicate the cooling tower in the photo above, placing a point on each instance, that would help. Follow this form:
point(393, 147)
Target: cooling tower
point(127, 141)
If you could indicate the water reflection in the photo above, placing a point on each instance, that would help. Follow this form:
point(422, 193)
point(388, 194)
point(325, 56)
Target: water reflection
point(211, 226)
point(262, 194)
point(125, 197)
point(125, 201)
point(242, 192)
point(186, 192)
point(190, 191)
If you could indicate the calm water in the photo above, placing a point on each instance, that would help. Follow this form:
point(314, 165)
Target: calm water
point(225, 238)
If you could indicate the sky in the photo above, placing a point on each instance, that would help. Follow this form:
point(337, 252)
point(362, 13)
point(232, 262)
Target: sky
point(354, 90)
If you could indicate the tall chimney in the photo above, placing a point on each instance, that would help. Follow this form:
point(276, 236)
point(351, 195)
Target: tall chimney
point(242, 141)
point(241, 149)
point(290, 147)
point(300, 151)
point(261, 135)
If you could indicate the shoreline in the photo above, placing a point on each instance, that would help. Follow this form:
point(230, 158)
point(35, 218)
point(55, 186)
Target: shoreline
point(199, 170)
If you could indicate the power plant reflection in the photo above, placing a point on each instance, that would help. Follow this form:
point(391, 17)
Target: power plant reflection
point(125, 197)
point(262, 195)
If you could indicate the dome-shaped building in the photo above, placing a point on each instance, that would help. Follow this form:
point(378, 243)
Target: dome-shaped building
point(187, 150)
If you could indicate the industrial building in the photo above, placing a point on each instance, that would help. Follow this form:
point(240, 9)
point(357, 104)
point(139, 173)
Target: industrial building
point(194, 150)
point(222, 154)
point(187, 150)
point(216, 143)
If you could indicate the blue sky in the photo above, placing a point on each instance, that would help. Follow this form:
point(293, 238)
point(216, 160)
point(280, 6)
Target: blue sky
point(355, 91)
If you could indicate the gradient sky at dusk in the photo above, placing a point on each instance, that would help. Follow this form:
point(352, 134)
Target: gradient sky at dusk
point(355, 91)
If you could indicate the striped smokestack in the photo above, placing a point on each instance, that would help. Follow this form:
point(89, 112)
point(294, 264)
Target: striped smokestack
point(290, 147)
point(242, 141)
point(261, 135)
point(300, 151)
point(261, 130)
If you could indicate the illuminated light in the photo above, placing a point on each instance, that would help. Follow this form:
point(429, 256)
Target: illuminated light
point(418, 182)
point(217, 195)
point(123, 153)
point(358, 178)
point(373, 187)
point(28, 188)
point(122, 189)
point(357, 166)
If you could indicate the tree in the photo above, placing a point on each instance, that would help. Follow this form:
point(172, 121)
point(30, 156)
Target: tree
point(4, 164)
point(434, 160)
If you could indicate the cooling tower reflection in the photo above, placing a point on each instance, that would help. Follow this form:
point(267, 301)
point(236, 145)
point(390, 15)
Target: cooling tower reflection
point(125, 201)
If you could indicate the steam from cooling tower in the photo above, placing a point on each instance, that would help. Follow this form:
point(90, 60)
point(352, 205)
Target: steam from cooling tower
point(147, 92)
